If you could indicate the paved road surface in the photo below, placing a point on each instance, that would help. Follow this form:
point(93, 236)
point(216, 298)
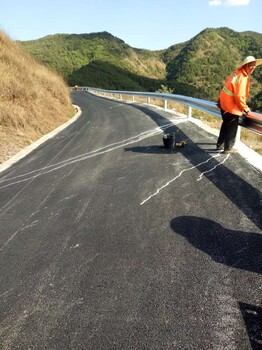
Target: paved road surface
point(110, 241)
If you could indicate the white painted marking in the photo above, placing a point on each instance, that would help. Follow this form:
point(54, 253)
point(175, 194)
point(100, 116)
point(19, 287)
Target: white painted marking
point(177, 177)
point(12, 200)
point(23, 225)
point(82, 210)
point(8, 291)
point(208, 171)
point(66, 198)
point(30, 225)
point(82, 157)
point(76, 246)
point(118, 105)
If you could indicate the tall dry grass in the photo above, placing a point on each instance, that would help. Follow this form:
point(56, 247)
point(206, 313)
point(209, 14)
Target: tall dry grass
point(33, 99)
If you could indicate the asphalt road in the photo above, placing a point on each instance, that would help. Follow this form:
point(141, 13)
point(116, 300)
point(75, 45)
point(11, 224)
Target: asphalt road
point(110, 241)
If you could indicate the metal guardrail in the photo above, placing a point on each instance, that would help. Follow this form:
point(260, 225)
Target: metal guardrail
point(254, 125)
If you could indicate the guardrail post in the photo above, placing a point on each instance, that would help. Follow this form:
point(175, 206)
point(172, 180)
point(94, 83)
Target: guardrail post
point(148, 100)
point(238, 135)
point(205, 106)
point(189, 112)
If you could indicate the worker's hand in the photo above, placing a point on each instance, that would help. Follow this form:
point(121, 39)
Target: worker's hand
point(246, 111)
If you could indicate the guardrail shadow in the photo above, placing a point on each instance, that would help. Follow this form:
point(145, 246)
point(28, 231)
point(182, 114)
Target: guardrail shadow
point(238, 249)
point(153, 149)
point(233, 248)
point(246, 197)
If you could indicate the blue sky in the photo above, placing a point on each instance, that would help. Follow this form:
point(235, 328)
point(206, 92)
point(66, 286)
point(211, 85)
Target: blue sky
point(148, 24)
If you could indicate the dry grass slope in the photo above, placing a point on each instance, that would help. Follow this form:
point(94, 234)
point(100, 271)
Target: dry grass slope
point(33, 99)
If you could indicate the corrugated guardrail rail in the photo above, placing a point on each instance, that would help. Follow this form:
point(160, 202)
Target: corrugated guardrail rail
point(252, 123)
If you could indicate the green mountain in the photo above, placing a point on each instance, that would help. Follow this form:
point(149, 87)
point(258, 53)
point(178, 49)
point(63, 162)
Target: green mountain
point(197, 67)
point(99, 60)
point(205, 61)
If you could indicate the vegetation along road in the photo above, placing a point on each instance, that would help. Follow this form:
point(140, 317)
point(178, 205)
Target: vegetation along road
point(110, 241)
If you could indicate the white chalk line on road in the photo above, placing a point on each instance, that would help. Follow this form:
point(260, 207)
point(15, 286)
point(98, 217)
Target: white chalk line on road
point(22, 227)
point(109, 148)
point(57, 166)
point(209, 171)
point(181, 172)
point(31, 179)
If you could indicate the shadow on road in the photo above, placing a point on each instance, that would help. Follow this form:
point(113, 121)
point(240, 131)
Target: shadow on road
point(246, 197)
point(243, 194)
point(154, 149)
point(238, 249)
point(252, 316)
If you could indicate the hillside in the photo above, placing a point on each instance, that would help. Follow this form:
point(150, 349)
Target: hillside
point(33, 99)
point(196, 68)
point(204, 61)
point(98, 59)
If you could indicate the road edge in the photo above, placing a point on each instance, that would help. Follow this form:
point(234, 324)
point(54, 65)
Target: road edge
point(24, 152)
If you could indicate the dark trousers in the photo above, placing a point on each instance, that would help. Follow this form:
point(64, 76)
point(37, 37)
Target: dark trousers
point(228, 130)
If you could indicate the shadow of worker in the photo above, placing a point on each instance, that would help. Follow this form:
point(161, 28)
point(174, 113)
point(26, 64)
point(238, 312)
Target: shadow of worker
point(238, 249)
point(252, 316)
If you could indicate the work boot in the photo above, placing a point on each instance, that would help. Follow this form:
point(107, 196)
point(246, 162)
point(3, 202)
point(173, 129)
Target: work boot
point(230, 151)
point(220, 147)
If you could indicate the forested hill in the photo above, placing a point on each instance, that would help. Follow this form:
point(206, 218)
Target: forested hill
point(204, 61)
point(197, 67)
point(99, 60)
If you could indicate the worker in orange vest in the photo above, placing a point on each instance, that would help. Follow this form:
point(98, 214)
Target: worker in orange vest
point(233, 102)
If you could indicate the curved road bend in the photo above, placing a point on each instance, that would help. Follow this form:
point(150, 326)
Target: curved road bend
point(109, 241)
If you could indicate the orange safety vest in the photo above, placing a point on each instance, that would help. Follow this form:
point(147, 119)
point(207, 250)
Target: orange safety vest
point(234, 94)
